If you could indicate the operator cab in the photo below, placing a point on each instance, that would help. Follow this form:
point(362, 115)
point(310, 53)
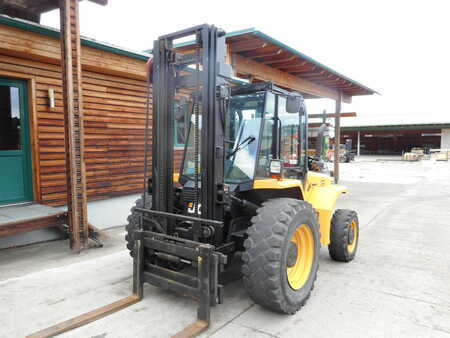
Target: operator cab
point(265, 136)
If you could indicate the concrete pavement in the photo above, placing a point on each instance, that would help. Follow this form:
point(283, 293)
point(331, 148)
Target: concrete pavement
point(398, 285)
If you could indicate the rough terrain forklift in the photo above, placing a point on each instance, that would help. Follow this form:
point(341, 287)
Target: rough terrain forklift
point(244, 193)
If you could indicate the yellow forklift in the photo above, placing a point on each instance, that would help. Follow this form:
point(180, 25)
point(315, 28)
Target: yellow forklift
point(245, 193)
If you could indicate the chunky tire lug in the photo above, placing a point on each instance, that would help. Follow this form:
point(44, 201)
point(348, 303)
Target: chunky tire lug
point(340, 227)
point(266, 251)
point(133, 220)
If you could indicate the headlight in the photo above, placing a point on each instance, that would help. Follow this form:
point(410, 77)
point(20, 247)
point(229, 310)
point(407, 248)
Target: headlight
point(276, 167)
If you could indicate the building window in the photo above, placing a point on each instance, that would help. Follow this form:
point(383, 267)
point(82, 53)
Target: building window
point(181, 114)
point(10, 119)
point(180, 134)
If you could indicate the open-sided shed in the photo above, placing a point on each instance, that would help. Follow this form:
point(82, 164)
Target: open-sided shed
point(397, 138)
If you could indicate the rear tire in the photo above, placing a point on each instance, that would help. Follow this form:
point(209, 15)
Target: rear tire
point(344, 235)
point(134, 220)
point(272, 256)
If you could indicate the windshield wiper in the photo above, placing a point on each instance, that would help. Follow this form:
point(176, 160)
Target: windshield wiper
point(242, 145)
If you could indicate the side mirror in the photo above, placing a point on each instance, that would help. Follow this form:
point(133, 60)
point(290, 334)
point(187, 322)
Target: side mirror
point(294, 103)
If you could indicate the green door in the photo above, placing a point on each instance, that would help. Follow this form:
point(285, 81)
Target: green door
point(15, 159)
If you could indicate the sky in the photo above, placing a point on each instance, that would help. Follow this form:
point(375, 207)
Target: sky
point(399, 48)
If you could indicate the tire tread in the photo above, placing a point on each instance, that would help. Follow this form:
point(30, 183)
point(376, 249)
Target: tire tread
point(340, 222)
point(262, 257)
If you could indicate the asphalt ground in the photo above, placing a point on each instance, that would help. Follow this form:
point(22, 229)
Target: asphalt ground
point(397, 286)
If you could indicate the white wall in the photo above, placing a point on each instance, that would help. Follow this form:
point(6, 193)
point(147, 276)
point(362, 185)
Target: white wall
point(445, 139)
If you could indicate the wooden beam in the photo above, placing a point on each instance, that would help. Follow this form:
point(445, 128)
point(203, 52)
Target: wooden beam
point(320, 75)
point(243, 46)
point(298, 70)
point(329, 81)
point(86, 318)
point(192, 330)
point(271, 62)
point(27, 225)
point(317, 125)
point(302, 65)
point(349, 114)
point(260, 56)
point(74, 124)
point(245, 65)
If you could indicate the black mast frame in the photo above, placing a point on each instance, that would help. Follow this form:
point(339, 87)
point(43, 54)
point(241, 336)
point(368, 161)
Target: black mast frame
point(169, 76)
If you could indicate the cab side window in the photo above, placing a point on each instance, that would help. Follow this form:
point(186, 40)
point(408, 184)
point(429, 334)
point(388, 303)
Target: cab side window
point(289, 135)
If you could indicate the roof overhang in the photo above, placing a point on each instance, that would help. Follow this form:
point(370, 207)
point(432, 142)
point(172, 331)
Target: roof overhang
point(259, 57)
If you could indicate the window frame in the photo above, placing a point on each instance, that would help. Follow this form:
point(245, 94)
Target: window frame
point(177, 123)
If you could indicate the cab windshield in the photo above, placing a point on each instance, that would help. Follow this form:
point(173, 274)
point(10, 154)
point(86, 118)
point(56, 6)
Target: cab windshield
point(242, 132)
point(257, 130)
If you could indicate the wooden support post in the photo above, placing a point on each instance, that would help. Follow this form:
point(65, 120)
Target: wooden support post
point(337, 136)
point(73, 120)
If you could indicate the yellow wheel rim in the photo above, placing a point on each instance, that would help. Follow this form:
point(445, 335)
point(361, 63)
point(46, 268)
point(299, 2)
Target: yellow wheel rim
point(299, 269)
point(352, 239)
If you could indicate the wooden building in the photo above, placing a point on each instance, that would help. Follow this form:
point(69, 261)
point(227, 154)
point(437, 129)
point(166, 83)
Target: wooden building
point(32, 153)
point(32, 167)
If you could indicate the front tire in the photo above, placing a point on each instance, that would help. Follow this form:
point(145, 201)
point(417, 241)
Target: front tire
point(134, 220)
point(344, 235)
point(281, 259)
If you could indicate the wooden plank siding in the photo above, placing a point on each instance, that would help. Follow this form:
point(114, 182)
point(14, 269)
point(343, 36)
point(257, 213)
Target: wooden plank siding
point(114, 95)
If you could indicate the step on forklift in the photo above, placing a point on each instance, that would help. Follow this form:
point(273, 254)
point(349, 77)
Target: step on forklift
point(244, 192)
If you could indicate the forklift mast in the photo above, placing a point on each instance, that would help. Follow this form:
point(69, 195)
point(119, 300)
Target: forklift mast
point(203, 73)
